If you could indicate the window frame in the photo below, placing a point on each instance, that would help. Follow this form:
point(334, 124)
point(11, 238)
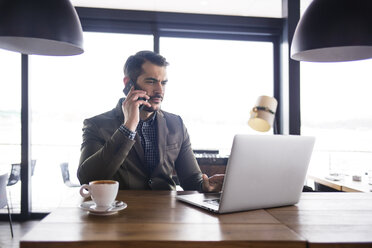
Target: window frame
point(205, 26)
point(160, 24)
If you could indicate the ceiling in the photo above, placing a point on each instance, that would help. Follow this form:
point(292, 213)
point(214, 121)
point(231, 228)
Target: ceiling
point(257, 8)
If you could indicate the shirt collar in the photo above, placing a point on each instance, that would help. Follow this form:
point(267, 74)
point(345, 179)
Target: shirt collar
point(150, 121)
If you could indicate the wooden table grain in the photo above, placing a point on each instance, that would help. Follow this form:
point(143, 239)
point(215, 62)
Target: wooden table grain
point(330, 219)
point(157, 219)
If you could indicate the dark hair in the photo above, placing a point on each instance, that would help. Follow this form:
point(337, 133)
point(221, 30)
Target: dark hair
point(133, 65)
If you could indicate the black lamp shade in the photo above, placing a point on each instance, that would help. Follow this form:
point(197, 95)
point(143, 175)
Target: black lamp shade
point(44, 27)
point(334, 30)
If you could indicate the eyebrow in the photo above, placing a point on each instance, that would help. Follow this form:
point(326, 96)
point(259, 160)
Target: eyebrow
point(154, 79)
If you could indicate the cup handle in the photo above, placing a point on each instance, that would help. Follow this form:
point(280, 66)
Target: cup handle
point(83, 188)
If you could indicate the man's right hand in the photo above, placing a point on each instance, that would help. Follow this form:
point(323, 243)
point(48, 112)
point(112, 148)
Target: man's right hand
point(130, 108)
point(213, 183)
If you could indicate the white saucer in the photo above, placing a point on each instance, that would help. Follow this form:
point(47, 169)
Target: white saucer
point(90, 206)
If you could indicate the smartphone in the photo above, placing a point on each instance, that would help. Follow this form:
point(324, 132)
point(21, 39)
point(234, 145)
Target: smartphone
point(129, 85)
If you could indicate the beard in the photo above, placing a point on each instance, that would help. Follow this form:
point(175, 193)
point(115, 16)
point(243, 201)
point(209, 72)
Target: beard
point(150, 109)
point(154, 107)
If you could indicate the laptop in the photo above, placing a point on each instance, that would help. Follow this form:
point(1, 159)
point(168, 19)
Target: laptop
point(263, 171)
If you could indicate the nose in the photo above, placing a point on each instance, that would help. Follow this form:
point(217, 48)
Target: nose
point(159, 88)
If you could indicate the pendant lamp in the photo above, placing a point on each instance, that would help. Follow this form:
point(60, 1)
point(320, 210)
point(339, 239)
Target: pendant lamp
point(333, 31)
point(43, 27)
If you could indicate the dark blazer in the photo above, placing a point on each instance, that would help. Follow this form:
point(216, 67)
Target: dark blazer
point(106, 153)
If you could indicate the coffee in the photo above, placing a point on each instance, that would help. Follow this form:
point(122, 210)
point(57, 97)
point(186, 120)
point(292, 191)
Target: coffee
point(103, 182)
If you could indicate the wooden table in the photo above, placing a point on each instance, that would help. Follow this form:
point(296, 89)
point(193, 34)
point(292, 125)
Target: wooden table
point(330, 219)
point(157, 219)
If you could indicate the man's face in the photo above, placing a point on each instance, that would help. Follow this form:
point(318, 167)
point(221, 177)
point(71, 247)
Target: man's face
point(153, 81)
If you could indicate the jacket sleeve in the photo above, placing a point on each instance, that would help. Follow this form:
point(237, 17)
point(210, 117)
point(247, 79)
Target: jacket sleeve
point(187, 168)
point(101, 154)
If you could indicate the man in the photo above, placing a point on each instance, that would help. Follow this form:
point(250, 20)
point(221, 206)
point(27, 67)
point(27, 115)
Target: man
point(137, 143)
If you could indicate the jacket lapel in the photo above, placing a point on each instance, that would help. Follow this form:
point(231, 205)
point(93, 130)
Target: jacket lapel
point(162, 137)
point(139, 149)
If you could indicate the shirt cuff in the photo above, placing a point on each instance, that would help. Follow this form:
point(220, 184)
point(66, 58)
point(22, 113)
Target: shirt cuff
point(201, 187)
point(127, 132)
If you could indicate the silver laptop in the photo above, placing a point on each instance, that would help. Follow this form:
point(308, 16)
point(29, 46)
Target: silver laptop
point(263, 171)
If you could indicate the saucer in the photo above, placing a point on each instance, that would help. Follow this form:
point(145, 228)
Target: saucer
point(90, 206)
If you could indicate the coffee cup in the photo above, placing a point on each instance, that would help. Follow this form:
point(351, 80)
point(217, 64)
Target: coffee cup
point(102, 192)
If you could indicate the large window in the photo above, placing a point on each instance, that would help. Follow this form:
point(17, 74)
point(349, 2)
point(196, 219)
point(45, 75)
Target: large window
point(213, 85)
point(212, 91)
point(64, 91)
point(10, 121)
point(336, 108)
point(215, 77)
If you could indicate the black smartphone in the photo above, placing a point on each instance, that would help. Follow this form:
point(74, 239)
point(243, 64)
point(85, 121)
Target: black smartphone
point(129, 85)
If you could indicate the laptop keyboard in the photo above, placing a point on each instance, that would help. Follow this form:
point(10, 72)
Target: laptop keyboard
point(215, 202)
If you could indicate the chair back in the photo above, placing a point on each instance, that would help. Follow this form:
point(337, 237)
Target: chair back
point(15, 174)
point(33, 163)
point(66, 175)
point(3, 196)
point(65, 172)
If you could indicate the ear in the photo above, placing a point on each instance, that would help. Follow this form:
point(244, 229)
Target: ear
point(126, 80)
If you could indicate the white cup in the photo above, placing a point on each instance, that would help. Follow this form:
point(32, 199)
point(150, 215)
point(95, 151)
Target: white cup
point(102, 192)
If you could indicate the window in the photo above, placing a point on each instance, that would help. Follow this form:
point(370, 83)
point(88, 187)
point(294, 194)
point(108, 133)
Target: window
point(66, 90)
point(10, 120)
point(335, 107)
point(213, 85)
